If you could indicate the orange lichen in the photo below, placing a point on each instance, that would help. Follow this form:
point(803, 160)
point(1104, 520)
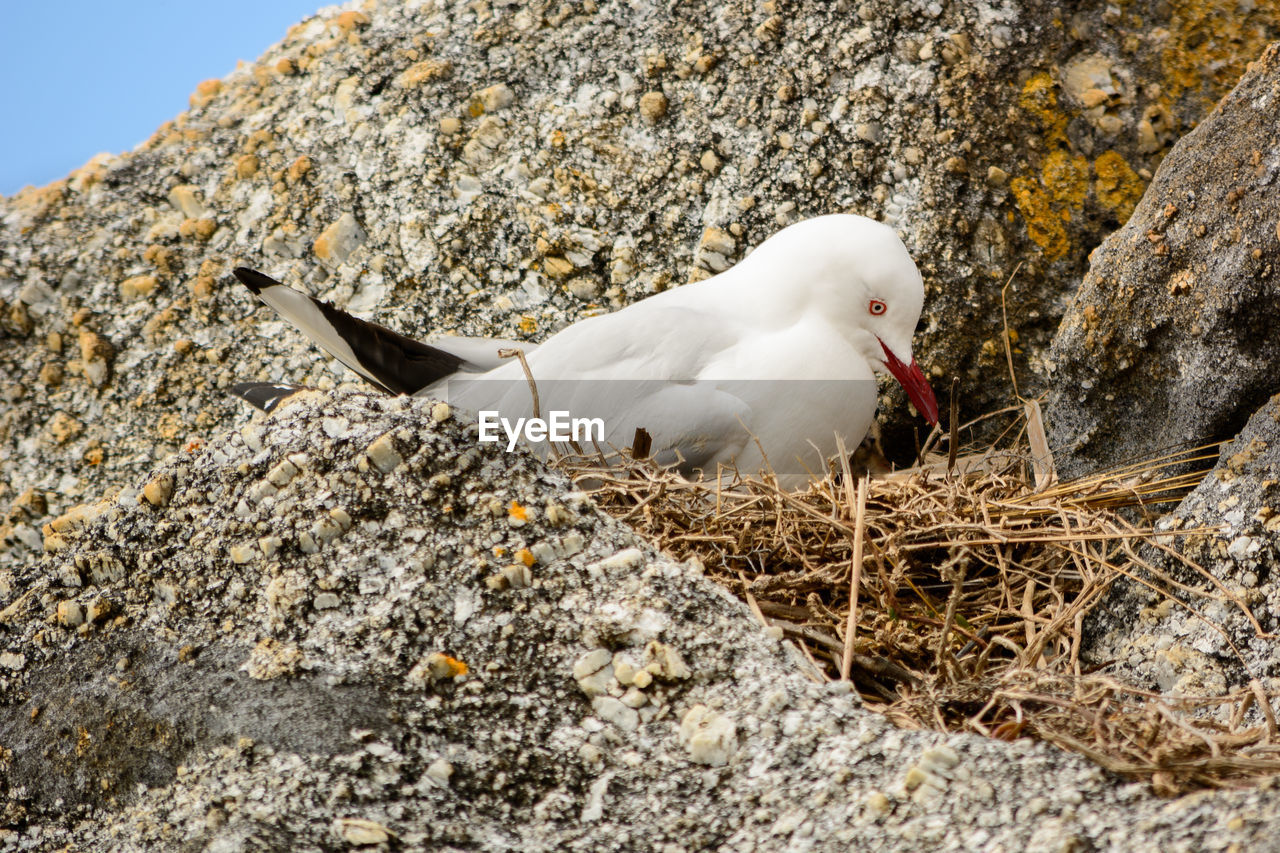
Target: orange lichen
point(159, 257)
point(298, 168)
point(348, 21)
point(1209, 44)
point(1049, 200)
point(94, 454)
point(1118, 187)
point(525, 556)
point(205, 92)
point(518, 512)
point(1044, 222)
point(426, 70)
point(1040, 100)
point(247, 166)
point(450, 666)
point(37, 201)
point(200, 229)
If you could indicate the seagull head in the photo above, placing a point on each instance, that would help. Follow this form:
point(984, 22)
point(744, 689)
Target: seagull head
point(857, 273)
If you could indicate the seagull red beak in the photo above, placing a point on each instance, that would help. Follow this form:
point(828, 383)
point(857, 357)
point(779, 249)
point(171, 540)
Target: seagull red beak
point(913, 382)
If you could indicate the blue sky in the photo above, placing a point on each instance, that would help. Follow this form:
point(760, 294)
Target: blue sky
point(81, 77)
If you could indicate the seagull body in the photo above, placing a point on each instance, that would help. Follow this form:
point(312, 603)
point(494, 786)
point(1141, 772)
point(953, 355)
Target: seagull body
point(773, 360)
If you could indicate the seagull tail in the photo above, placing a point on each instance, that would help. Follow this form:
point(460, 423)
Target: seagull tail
point(265, 395)
point(388, 360)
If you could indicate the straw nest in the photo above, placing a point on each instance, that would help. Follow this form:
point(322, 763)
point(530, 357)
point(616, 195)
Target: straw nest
point(953, 594)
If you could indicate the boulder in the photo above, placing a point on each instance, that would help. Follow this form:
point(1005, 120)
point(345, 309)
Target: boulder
point(1170, 341)
point(1217, 633)
point(348, 625)
point(299, 648)
point(493, 169)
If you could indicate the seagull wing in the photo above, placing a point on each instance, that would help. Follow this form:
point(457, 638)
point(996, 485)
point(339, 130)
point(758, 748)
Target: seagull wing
point(389, 360)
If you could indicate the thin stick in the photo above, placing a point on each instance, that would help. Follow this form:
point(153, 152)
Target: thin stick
point(1264, 702)
point(1008, 346)
point(855, 579)
point(516, 352)
point(1237, 716)
point(1041, 454)
point(955, 416)
point(945, 658)
point(751, 600)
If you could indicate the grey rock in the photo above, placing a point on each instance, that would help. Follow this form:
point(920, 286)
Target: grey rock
point(472, 168)
point(1171, 340)
point(351, 117)
point(242, 716)
point(1220, 636)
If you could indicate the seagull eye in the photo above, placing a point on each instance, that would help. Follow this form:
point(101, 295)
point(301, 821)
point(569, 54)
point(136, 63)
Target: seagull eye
point(877, 307)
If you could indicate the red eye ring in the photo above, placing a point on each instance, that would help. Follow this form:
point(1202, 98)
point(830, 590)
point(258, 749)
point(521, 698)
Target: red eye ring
point(876, 307)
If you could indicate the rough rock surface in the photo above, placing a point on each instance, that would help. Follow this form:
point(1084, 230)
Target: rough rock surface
point(1172, 648)
point(260, 646)
point(255, 643)
point(503, 168)
point(1171, 340)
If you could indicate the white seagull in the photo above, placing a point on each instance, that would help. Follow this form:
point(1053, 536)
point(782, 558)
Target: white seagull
point(770, 361)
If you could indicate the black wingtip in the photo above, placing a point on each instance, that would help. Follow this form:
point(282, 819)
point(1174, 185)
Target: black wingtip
point(253, 279)
point(265, 395)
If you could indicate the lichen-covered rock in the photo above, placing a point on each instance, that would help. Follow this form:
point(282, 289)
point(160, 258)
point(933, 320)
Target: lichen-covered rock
point(347, 623)
point(503, 170)
point(1171, 340)
point(375, 689)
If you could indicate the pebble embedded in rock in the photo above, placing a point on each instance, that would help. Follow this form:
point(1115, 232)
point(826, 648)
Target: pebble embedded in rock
point(613, 711)
point(439, 772)
point(709, 736)
point(137, 287)
point(621, 561)
point(336, 243)
point(383, 454)
point(186, 199)
point(594, 672)
point(494, 98)
point(663, 661)
point(517, 576)
point(158, 491)
point(653, 106)
point(359, 832)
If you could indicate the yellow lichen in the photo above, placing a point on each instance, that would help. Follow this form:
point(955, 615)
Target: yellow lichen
point(1044, 223)
point(1066, 178)
point(1118, 187)
point(1049, 200)
point(1210, 42)
point(1040, 100)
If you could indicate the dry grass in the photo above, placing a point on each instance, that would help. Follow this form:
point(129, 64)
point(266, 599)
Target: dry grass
point(968, 586)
